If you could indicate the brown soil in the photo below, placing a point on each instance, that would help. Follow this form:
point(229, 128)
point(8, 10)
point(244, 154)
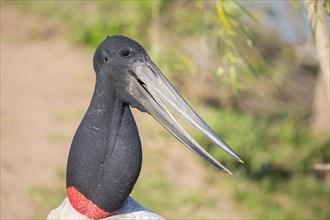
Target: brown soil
point(43, 80)
point(40, 76)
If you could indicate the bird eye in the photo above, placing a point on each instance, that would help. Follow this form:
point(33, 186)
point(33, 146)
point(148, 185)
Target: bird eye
point(125, 53)
point(105, 59)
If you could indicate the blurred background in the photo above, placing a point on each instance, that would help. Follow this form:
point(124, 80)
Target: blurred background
point(256, 71)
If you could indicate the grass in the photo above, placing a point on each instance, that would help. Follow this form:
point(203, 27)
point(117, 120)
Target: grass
point(277, 179)
point(302, 197)
point(163, 197)
point(89, 23)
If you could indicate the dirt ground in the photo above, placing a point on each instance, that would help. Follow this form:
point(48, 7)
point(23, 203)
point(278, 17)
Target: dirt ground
point(42, 78)
point(40, 75)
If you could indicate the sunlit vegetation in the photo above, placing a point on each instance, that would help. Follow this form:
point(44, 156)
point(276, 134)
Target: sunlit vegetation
point(279, 156)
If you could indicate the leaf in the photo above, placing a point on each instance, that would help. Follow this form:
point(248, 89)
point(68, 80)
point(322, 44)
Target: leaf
point(222, 14)
point(246, 12)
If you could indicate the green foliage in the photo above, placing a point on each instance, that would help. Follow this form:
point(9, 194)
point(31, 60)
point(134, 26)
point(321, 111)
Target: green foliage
point(278, 144)
point(327, 6)
point(90, 30)
point(235, 40)
point(277, 178)
point(301, 197)
point(176, 65)
point(89, 22)
point(183, 18)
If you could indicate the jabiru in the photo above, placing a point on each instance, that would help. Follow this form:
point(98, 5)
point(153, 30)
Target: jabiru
point(105, 156)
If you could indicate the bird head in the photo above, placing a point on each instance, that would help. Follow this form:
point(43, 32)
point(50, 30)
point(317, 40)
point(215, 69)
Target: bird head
point(138, 82)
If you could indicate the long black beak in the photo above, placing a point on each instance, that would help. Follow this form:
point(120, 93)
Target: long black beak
point(150, 88)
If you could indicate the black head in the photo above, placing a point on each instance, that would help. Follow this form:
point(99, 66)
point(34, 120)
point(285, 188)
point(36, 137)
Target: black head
point(114, 61)
point(117, 51)
point(125, 67)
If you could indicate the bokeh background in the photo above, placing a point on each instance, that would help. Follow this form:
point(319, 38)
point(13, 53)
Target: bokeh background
point(256, 71)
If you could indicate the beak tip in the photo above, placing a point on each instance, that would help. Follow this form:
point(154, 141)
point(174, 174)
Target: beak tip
point(223, 168)
point(237, 158)
point(227, 171)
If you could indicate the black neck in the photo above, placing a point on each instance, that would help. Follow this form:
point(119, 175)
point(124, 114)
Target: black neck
point(105, 156)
